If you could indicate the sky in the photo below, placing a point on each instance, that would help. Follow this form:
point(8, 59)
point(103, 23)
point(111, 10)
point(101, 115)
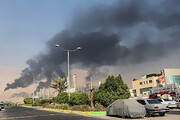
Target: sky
point(129, 37)
point(27, 24)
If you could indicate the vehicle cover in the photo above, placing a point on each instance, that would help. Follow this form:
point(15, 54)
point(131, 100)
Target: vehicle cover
point(126, 108)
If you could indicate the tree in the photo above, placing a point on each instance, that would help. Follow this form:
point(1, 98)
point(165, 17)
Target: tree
point(91, 97)
point(153, 75)
point(60, 84)
point(114, 88)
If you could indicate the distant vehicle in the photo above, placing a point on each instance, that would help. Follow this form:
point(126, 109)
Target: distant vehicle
point(178, 103)
point(126, 108)
point(171, 103)
point(153, 106)
point(2, 105)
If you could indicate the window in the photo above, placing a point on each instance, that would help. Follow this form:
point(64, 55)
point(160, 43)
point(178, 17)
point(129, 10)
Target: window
point(153, 102)
point(145, 89)
point(146, 82)
point(141, 102)
point(174, 79)
point(140, 83)
point(134, 92)
point(150, 81)
point(159, 100)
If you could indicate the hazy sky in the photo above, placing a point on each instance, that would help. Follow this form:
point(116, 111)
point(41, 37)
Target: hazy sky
point(27, 24)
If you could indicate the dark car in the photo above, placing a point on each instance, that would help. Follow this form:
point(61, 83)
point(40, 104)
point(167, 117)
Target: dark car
point(2, 105)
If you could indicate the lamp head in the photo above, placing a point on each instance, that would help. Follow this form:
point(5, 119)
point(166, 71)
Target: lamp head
point(56, 45)
point(79, 48)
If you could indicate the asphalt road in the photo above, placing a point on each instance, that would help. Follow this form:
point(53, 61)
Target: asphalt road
point(21, 113)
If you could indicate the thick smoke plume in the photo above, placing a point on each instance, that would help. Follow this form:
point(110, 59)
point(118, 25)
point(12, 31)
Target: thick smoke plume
point(21, 94)
point(129, 32)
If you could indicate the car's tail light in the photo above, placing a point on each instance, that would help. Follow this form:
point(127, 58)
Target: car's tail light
point(167, 107)
point(156, 107)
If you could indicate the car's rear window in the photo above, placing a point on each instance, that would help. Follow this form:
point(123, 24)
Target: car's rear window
point(153, 102)
point(167, 100)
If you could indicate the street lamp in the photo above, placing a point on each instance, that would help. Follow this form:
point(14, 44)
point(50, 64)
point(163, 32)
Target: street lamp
point(33, 82)
point(67, 50)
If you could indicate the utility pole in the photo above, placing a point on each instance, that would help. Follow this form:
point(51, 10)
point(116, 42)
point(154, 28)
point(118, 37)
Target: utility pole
point(91, 81)
point(68, 74)
point(48, 93)
point(68, 50)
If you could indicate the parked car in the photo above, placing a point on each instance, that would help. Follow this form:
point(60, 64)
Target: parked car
point(171, 103)
point(178, 103)
point(153, 106)
point(126, 108)
point(2, 105)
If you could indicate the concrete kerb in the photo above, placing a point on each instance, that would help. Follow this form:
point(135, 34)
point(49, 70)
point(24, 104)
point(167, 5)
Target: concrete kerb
point(71, 111)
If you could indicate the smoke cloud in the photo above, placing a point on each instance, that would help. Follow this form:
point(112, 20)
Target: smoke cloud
point(21, 94)
point(129, 32)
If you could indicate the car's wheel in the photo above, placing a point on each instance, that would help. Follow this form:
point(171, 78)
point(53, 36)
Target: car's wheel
point(161, 114)
point(148, 114)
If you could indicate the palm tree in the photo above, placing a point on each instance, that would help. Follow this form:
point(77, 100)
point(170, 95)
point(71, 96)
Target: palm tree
point(60, 84)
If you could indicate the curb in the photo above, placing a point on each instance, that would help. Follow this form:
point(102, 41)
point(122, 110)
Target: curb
point(71, 111)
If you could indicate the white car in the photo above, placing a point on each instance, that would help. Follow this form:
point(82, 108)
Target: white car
point(171, 103)
point(153, 106)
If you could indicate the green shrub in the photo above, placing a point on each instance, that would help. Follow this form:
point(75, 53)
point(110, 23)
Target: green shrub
point(49, 101)
point(99, 107)
point(28, 100)
point(81, 108)
point(79, 99)
point(37, 102)
point(61, 98)
point(58, 106)
point(62, 106)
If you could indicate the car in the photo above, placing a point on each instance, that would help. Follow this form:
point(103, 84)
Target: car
point(171, 103)
point(2, 105)
point(126, 108)
point(178, 103)
point(153, 106)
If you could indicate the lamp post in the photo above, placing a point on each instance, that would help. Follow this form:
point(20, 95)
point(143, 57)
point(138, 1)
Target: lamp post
point(33, 90)
point(67, 50)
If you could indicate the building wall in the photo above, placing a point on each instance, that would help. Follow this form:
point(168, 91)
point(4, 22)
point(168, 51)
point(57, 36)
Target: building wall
point(142, 86)
point(172, 76)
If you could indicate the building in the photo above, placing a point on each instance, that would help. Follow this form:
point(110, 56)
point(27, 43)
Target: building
point(171, 76)
point(142, 86)
point(169, 84)
point(165, 80)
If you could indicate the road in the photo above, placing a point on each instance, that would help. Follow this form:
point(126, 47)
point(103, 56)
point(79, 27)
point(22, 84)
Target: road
point(21, 113)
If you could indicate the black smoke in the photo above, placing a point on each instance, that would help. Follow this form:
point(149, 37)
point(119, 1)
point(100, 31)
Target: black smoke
point(21, 94)
point(100, 32)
